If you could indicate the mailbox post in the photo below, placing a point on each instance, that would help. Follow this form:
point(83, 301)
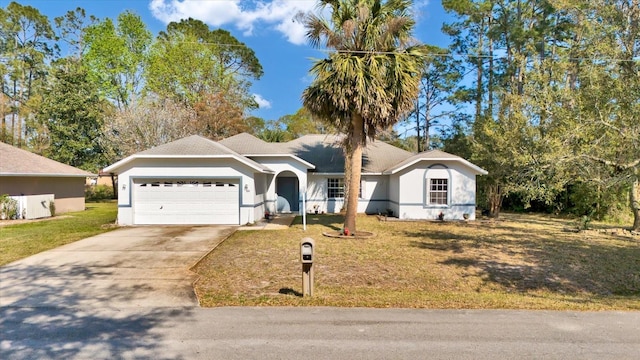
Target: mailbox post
point(307, 249)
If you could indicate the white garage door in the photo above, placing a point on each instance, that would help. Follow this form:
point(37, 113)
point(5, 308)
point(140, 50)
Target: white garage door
point(177, 201)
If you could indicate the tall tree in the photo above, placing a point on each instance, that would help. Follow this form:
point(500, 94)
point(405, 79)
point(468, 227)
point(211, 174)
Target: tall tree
point(604, 112)
point(370, 81)
point(218, 63)
point(147, 123)
point(25, 48)
point(73, 114)
point(116, 55)
point(441, 97)
point(514, 135)
point(302, 123)
point(71, 29)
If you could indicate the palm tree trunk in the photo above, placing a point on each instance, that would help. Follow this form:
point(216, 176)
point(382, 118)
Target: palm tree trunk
point(356, 168)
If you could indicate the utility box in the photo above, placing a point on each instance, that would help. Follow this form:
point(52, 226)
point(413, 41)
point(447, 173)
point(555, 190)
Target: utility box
point(306, 250)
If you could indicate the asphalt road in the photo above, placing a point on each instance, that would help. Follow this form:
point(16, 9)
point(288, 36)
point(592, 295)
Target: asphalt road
point(314, 333)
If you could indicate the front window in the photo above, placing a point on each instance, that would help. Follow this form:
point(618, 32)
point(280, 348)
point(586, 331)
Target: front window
point(335, 188)
point(438, 191)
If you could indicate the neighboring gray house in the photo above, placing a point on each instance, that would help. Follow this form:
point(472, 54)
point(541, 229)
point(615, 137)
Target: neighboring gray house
point(234, 181)
point(23, 173)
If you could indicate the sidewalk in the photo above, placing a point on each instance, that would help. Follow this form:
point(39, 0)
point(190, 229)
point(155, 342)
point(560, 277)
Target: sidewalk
point(279, 222)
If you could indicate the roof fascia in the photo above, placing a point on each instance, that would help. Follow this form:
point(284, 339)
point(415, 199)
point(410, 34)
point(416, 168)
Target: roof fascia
point(242, 159)
point(476, 168)
point(46, 175)
point(303, 162)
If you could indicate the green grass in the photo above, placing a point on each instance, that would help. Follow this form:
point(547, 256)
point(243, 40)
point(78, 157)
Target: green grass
point(518, 262)
point(25, 239)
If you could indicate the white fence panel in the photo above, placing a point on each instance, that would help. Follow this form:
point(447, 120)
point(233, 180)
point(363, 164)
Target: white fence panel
point(34, 206)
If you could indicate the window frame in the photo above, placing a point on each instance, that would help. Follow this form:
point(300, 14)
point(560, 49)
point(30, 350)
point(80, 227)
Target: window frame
point(339, 188)
point(437, 187)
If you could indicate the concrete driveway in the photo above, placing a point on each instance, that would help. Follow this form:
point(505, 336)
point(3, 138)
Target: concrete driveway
point(128, 267)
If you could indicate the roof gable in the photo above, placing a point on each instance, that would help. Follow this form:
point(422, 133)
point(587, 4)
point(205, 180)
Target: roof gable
point(194, 146)
point(19, 162)
point(433, 156)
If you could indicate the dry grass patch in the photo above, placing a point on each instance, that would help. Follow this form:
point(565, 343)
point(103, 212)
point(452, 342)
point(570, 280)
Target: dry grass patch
point(519, 262)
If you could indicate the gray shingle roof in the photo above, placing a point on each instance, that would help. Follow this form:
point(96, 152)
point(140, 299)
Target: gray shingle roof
point(194, 146)
point(248, 144)
point(325, 152)
point(18, 162)
point(432, 155)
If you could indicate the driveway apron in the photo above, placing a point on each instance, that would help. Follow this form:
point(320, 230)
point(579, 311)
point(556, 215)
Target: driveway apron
point(128, 267)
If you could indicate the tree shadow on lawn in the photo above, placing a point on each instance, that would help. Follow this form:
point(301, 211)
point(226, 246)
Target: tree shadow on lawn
point(331, 221)
point(45, 314)
point(523, 260)
point(597, 269)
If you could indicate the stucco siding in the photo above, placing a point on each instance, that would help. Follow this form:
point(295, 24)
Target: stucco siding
point(185, 169)
point(414, 185)
point(260, 197)
point(68, 191)
point(374, 194)
point(284, 167)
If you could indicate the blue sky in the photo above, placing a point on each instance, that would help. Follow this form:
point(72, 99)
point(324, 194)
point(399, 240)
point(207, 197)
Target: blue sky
point(265, 26)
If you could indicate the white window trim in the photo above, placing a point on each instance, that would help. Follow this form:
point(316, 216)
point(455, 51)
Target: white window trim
point(432, 192)
point(337, 188)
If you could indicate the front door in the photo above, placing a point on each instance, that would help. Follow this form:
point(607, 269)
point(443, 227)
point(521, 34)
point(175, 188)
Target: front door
point(287, 190)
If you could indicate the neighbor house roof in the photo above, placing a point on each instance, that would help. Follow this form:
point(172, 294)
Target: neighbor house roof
point(194, 146)
point(18, 162)
point(433, 156)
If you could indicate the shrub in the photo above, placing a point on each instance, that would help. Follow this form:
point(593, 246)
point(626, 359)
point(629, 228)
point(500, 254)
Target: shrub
point(8, 207)
point(52, 208)
point(98, 192)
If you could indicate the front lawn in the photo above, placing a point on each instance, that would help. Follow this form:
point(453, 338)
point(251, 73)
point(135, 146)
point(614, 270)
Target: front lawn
point(518, 262)
point(25, 239)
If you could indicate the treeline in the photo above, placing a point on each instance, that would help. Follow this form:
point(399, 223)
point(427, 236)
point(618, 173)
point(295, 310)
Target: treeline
point(551, 106)
point(87, 91)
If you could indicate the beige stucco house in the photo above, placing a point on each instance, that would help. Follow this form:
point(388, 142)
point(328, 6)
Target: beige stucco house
point(25, 173)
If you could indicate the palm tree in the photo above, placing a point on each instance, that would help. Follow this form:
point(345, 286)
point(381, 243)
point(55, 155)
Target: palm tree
point(370, 81)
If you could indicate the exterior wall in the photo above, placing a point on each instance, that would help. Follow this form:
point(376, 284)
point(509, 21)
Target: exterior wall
point(394, 194)
point(260, 199)
point(280, 165)
point(413, 191)
point(68, 191)
point(185, 169)
point(374, 200)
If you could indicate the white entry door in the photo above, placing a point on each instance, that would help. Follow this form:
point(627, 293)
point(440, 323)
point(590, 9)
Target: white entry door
point(186, 201)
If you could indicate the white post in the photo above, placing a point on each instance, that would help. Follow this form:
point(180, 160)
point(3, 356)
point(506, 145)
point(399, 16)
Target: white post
point(304, 209)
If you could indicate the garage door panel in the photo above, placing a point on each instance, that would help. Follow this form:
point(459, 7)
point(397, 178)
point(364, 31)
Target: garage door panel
point(186, 202)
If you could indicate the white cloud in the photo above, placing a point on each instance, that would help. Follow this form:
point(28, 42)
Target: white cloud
point(245, 15)
point(262, 102)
